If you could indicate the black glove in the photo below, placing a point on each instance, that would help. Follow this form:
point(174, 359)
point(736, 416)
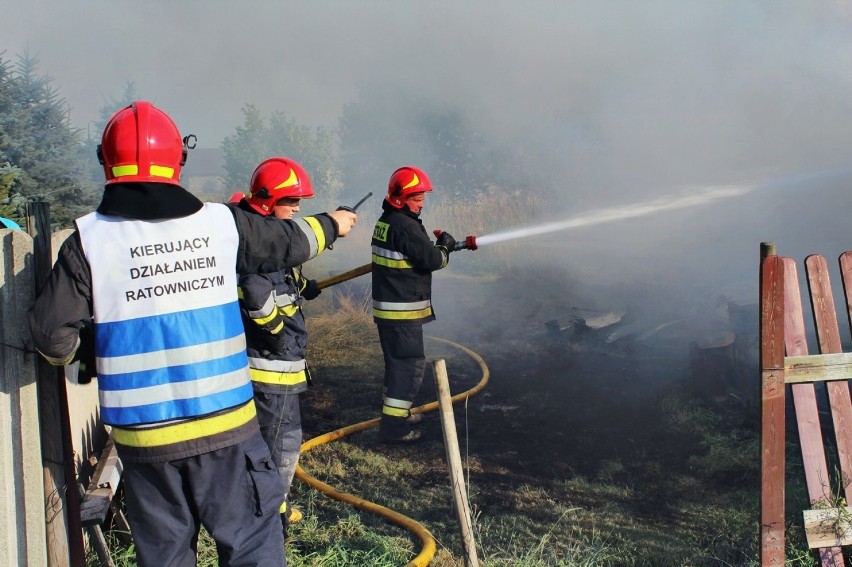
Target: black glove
point(86, 354)
point(311, 290)
point(447, 241)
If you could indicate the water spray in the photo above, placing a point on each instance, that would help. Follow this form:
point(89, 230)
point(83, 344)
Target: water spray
point(601, 216)
point(589, 218)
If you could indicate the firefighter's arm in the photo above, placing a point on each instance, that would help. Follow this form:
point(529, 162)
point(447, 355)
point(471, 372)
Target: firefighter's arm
point(344, 219)
point(257, 300)
point(421, 252)
point(63, 307)
point(268, 244)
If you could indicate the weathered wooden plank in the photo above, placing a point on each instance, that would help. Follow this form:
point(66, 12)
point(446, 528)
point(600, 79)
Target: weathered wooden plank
point(102, 487)
point(772, 411)
point(810, 435)
point(826, 527)
point(804, 396)
point(845, 262)
point(828, 335)
point(818, 367)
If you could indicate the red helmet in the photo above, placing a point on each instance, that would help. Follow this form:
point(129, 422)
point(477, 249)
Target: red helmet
point(405, 182)
point(236, 197)
point(141, 143)
point(277, 178)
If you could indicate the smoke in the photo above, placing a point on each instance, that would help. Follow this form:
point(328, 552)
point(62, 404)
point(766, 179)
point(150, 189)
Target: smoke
point(611, 104)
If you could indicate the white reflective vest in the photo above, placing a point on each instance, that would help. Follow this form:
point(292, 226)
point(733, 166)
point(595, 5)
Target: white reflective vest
point(169, 337)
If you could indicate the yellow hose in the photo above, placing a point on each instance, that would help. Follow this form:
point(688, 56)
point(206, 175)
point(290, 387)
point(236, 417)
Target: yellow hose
point(427, 550)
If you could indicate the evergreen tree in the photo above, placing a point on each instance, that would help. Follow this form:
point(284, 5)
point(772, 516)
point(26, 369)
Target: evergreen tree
point(255, 141)
point(38, 139)
point(8, 174)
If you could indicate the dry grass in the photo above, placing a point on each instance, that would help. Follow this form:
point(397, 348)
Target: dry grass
point(344, 327)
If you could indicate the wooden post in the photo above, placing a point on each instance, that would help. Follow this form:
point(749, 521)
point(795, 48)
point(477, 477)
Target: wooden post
point(451, 443)
point(62, 497)
point(772, 411)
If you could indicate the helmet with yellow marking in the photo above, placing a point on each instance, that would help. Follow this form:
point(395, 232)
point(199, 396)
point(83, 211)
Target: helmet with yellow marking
point(405, 182)
point(277, 178)
point(141, 143)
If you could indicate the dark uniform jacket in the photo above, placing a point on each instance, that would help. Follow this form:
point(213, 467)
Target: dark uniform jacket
point(404, 258)
point(276, 332)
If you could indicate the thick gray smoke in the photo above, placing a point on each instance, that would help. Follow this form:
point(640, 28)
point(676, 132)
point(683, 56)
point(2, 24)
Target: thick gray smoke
point(614, 103)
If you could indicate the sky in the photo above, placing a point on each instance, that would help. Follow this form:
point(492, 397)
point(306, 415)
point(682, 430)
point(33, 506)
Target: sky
point(620, 102)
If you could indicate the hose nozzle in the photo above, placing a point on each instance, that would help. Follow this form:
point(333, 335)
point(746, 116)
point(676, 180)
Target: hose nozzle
point(469, 242)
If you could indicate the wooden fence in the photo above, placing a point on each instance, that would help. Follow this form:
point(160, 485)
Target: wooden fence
point(49, 425)
point(821, 403)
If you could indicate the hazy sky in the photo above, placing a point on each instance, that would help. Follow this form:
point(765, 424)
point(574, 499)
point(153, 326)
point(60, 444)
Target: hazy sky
point(618, 101)
point(742, 82)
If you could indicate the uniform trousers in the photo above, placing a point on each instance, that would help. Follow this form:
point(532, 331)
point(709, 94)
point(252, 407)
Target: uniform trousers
point(234, 492)
point(280, 422)
point(405, 364)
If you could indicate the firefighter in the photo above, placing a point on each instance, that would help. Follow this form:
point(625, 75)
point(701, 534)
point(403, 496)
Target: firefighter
point(404, 258)
point(155, 270)
point(276, 333)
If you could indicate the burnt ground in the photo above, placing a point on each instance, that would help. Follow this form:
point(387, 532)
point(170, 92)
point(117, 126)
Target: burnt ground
point(565, 398)
point(565, 401)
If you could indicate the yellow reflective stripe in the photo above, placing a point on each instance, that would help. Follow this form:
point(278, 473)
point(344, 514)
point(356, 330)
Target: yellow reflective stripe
point(278, 328)
point(153, 170)
point(277, 377)
point(317, 228)
point(289, 311)
point(289, 182)
point(162, 171)
point(387, 262)
point(265, 320)
point(122, 170)
point(381, 314)
point(395, 412)
point(185, 431)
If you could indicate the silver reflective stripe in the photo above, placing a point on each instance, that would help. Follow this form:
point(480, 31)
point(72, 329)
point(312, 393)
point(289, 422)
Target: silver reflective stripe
point(277, 365)
point(394, 403)
point(310, 234)
point(392, 306)
point(385, 253)
point(285, 299)
point(266, 310)
point(171, 357)
point(173, 391)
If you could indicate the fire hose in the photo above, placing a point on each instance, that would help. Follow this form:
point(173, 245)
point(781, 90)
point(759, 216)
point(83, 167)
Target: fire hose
point(469, 243)
point(427, 550)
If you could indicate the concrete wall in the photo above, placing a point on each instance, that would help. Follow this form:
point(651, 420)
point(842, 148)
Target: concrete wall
point(22, 496)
